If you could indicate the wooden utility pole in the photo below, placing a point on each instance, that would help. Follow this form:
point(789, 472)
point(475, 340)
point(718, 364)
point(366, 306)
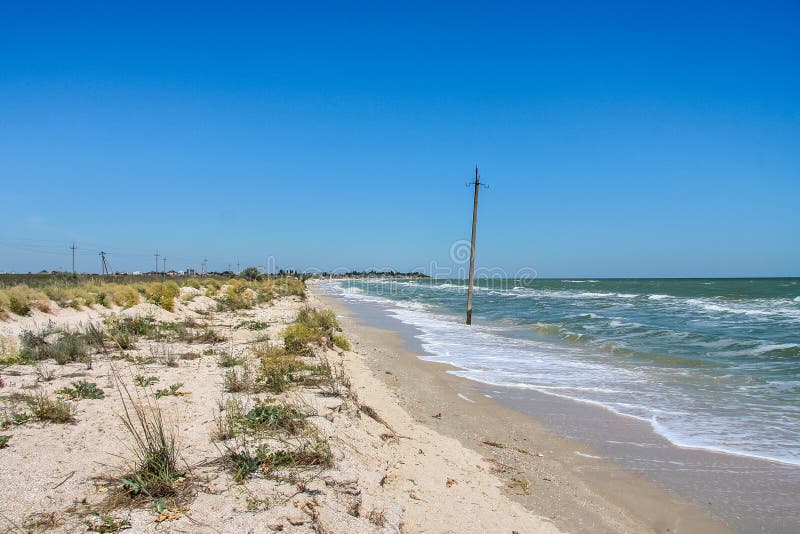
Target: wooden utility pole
point(156, 255)
point(477, 184)
point(104, 263)
point(73, 247)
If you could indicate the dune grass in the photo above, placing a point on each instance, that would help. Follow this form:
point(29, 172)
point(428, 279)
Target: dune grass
point(156, 469)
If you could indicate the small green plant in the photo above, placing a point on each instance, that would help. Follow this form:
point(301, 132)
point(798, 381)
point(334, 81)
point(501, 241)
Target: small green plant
point(9, 353)
point(209, 352)
point(4, 441)
point(244, 462)
point(340, 341)
point(279, 368)
point(275, 417)
point(144, 381)
point(252, 325)
point(228, 422)
point(171, 391)
point(140, 360)
point(227, 359)
point(53, 410)
point(82, 390)
point(238, 379)
point(106, 524)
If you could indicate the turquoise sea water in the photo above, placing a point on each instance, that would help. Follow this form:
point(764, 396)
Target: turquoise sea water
point(709, 363)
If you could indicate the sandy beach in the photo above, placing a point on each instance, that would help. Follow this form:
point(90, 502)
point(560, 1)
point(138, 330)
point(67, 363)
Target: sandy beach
point(562, 479)
point(407, 445)
point(388, 472)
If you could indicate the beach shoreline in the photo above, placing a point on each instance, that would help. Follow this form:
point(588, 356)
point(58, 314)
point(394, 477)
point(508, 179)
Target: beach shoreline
point(578, 492)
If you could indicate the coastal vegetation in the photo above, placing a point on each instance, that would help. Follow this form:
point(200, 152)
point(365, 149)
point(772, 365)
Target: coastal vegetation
point(22, 294)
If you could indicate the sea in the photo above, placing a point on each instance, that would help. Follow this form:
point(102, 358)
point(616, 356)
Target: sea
point(707, 363)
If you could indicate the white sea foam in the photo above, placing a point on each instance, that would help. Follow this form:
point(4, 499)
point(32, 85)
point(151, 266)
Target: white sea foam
point(662, 397)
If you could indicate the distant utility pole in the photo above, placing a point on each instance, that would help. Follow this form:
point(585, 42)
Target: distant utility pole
point(156, 271)
point(205, 264)
point(164, 259)
point(104, 262)
point(237, 267)
point(73, 247)
point(477, 184)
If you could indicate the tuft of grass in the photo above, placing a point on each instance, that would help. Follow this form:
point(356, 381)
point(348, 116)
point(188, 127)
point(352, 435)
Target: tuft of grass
point(44, 408)
point(239, 379)
point(311, 327)
point(82, 390)
point(341, 342)
point(227, 359)
point(68, 347)
point(9, 351)
point(314, 452)
point(21, 299)
point(156, 470)
point(44, 373)
point(4, 441)
point(278, 368)
point(228, 423)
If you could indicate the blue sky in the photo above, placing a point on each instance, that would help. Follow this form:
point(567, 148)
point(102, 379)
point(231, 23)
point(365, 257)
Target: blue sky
point(618, 139)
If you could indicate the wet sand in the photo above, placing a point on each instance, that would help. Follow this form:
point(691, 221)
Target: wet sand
point(599, 471)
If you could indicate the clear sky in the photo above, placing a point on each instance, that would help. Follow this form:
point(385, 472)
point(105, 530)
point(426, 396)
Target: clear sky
point(618, 138)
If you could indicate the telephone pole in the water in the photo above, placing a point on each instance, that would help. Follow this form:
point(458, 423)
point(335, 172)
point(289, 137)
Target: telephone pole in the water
point(477, 184)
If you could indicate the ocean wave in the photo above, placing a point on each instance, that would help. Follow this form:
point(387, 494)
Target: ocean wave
point(675, 355)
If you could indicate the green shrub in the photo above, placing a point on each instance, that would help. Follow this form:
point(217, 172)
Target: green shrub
point(250, 273)
point(192, 282)
point(21, 299)
point(278, 368)
point(68, 347)
point(341, 342)
point(162, 294)
point(4, 441)
point(53, 410)
point(298, 337)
